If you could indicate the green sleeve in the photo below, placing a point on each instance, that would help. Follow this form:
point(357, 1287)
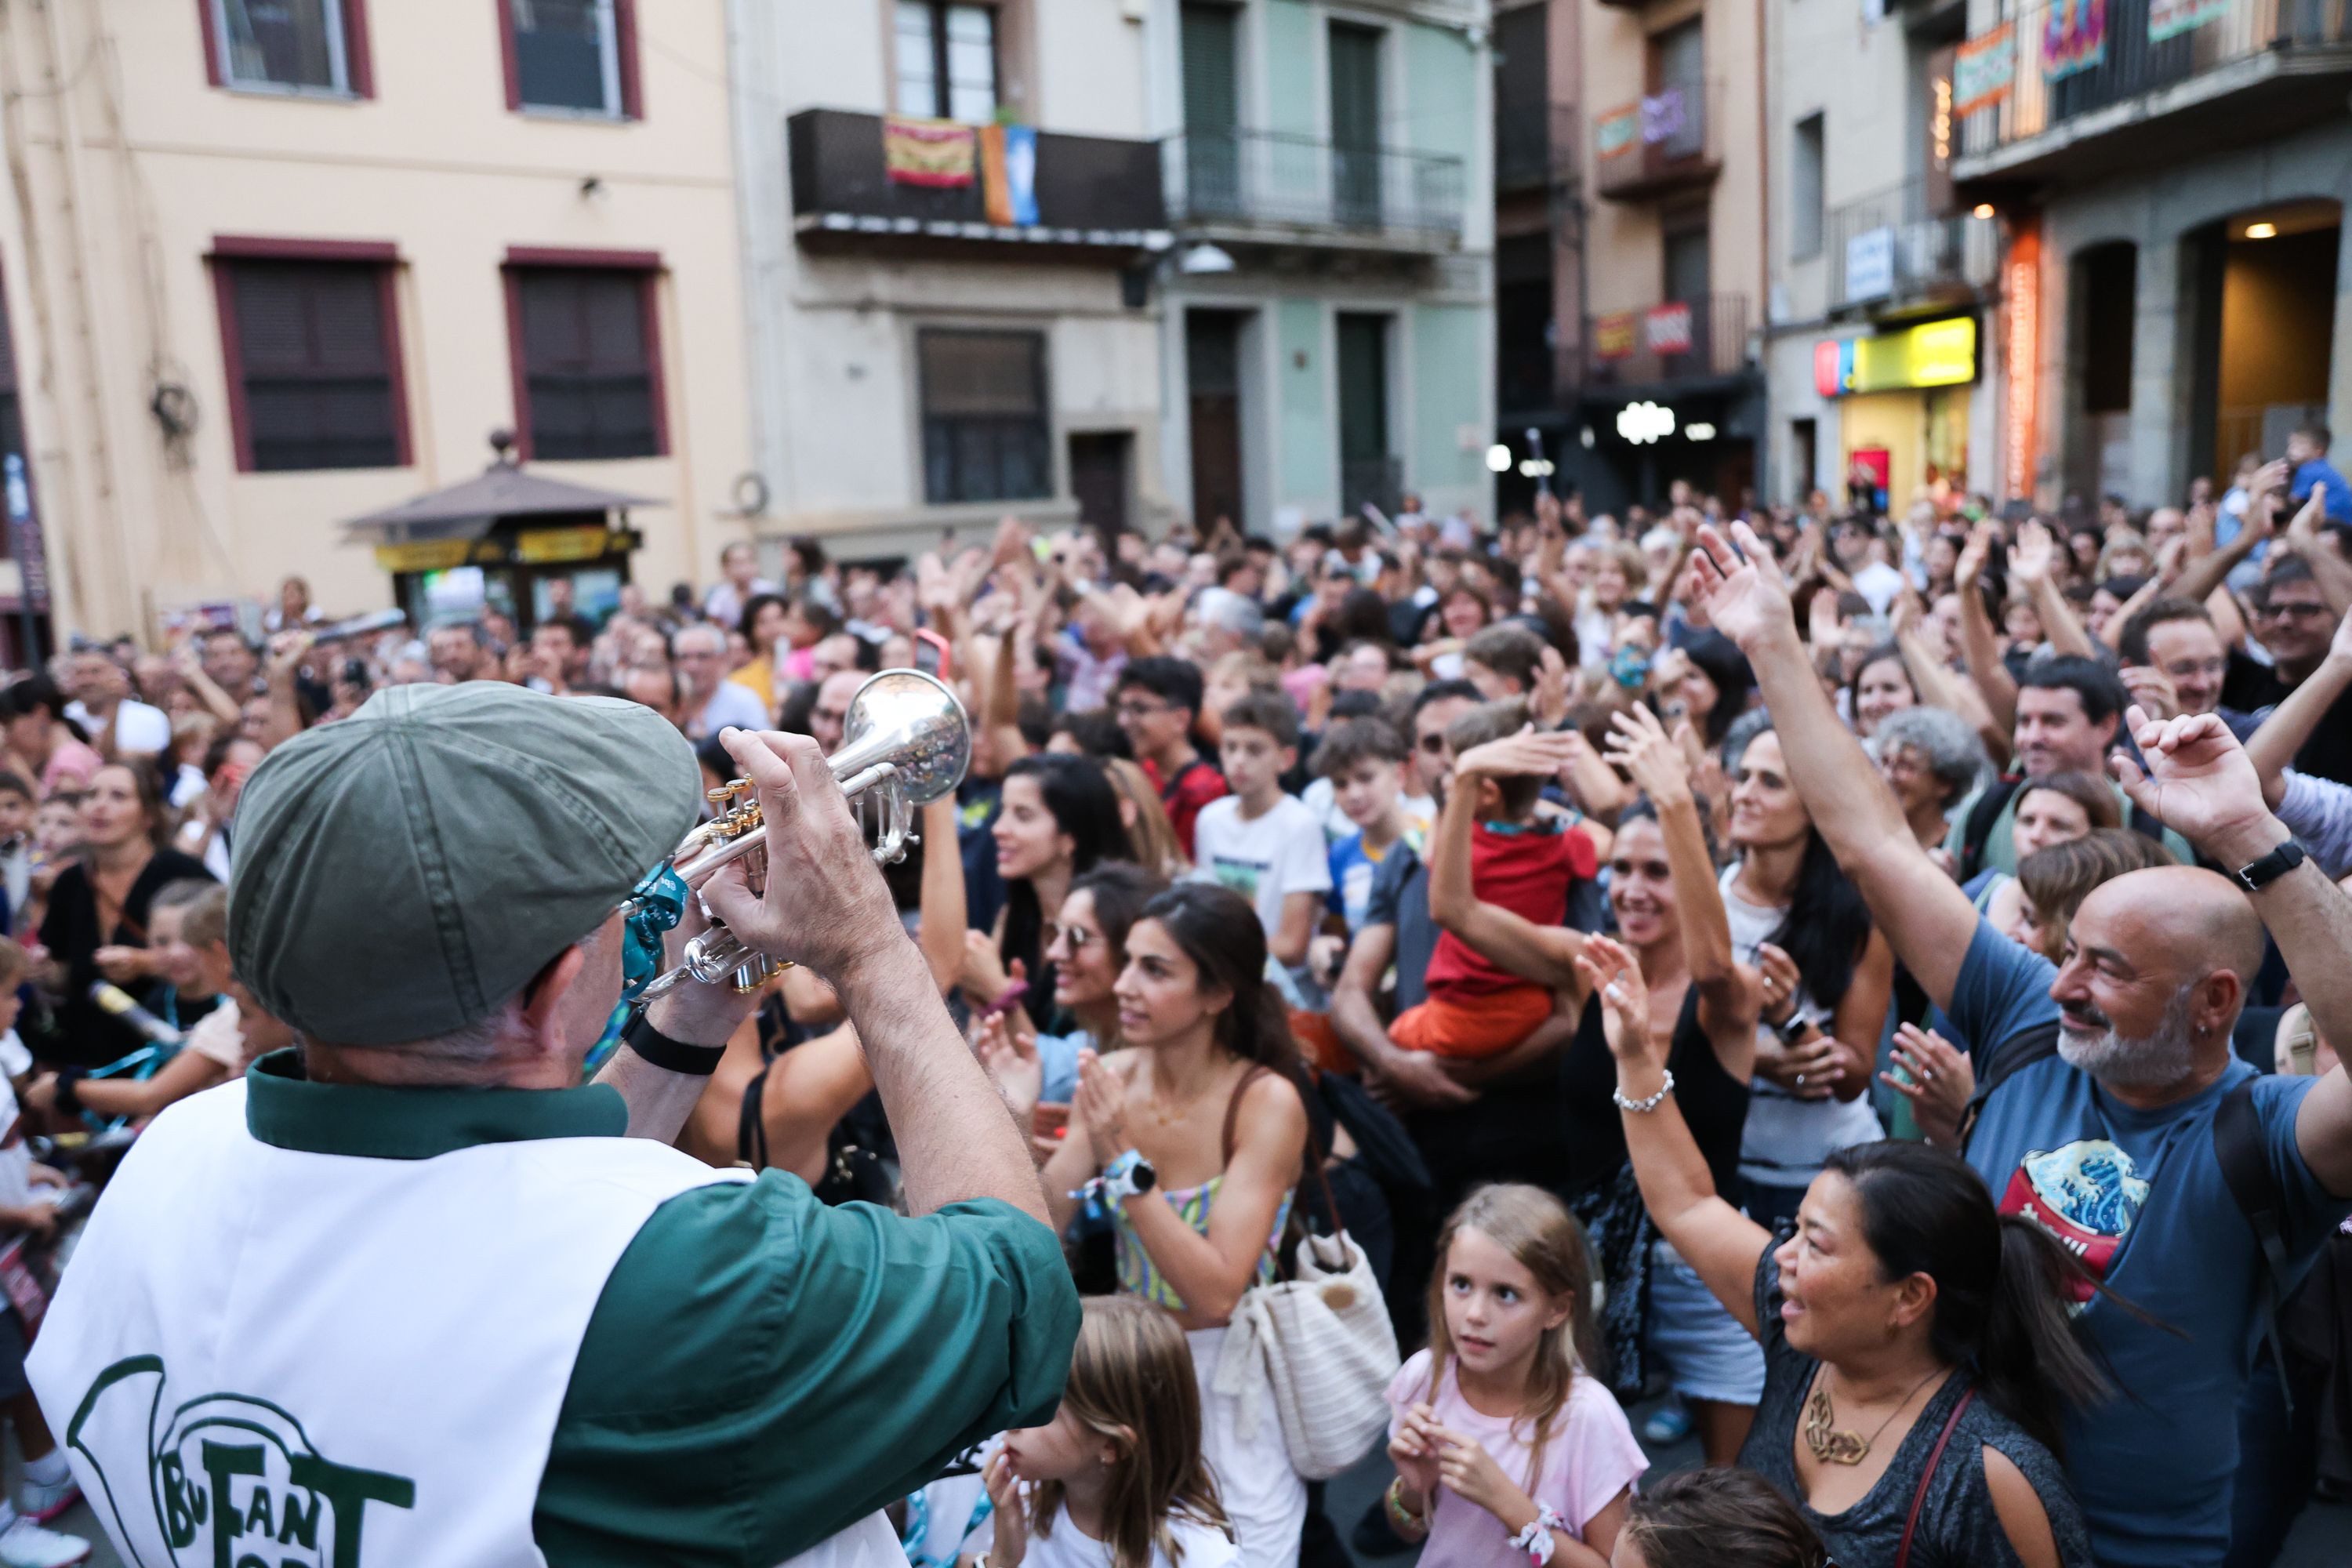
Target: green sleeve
point(762, 1371)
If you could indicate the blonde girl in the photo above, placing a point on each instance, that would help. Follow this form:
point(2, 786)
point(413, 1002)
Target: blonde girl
point(1116, 1480)
point(1508, 1451)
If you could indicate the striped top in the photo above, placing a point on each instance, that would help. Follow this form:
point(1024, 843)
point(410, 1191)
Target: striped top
point(1138, 1275)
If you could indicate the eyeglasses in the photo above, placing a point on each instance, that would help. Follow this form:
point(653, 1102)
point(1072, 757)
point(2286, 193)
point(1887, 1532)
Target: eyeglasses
point(1433, 744)
point(1141, 710)
point(2292, 610)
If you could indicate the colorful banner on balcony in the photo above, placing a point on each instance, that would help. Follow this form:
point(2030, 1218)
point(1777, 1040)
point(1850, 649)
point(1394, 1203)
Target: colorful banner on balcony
point(1985, 70)
point(1008, 164)
point(1663, 117)
point(1613, 335)
point(2074, 38)
point(928, 151)
point(1619, 131)
point(2170, 18)
point(1667, 329)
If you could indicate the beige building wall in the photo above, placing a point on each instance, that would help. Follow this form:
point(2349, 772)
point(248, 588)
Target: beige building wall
point(125, 168)
point(838, 409)
point(1625, 250)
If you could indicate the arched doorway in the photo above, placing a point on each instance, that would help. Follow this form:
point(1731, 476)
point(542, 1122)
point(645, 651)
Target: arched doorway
point(2102, 294)
point(2265, 283)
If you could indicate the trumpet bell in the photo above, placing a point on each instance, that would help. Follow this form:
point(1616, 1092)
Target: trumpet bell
point(913, 721)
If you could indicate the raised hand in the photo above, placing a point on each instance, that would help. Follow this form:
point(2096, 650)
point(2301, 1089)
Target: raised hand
point(2030, 559)
point(2198, 782)
point(1746, 599)
point(1937, 1080)
point(1640, 745)
point(2150, 687)
point(1530, 752)
point(1010, 1540)
point(1006, 1045)
point(1975, 555)
point(1610, 972)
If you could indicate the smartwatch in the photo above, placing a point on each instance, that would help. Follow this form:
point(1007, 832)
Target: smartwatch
point(1129, 1175)
point(2261, 873)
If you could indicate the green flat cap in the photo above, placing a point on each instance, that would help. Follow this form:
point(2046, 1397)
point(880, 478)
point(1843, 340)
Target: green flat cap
point(402, 872)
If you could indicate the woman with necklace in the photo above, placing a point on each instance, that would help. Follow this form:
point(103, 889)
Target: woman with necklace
point(1916, 1344)
point(1194, 1139)
point(96, 928)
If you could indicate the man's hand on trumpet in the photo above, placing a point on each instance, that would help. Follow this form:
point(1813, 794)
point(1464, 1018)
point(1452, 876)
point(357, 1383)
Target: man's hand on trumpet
point(824, 905)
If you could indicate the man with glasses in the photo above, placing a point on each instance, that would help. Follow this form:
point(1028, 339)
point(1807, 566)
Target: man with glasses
point(1157, 700)
point(713, 702)
point(2295, 618)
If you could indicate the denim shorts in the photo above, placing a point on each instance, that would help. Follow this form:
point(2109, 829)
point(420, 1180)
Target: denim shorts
point(1706, 1352)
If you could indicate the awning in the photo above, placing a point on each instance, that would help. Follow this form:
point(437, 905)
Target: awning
point(467, 509)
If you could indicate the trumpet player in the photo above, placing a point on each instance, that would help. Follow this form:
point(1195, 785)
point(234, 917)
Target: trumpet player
point(411, 1293)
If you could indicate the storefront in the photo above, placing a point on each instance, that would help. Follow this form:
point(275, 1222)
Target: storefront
point(1903, 401)
point(500, 543)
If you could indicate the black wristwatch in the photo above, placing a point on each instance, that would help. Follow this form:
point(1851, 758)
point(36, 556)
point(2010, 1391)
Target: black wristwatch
point(2261, 873)
point(65, 1094)
point(671, 1056)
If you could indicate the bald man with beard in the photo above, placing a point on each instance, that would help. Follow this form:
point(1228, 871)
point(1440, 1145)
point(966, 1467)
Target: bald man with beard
point(2107, 1071)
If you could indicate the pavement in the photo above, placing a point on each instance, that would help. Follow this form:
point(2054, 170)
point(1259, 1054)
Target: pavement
point(2322, 1537)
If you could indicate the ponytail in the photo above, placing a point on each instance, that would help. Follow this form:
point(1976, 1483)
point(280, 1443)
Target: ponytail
point(2030, 1362)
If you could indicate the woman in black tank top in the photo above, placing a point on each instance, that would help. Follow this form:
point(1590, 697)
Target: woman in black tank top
point(1662, 890)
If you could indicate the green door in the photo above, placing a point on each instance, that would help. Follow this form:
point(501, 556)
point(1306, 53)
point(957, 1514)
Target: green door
point(1356, 124)
point(1212, 163)
point(1367, 471)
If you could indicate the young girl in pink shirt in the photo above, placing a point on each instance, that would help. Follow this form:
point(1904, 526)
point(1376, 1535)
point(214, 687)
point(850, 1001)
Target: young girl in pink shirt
point(1510, 1452)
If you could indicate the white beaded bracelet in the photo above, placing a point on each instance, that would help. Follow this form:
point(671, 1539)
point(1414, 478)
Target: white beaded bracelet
point(1643, 1107)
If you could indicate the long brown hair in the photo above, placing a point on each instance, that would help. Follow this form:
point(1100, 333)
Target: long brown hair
point(1720, 1519)
point(1131, 1384)
point(1544, 1239)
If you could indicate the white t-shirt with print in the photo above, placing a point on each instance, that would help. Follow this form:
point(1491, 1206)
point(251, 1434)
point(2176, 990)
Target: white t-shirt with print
point(1265, 858)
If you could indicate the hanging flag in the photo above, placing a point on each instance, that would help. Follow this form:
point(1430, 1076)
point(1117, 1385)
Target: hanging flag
point(928, 151)
point(1613, 335)
point(1008, 163)
point(1984, 70)
point(2074, 38)
point(1667, 328)
point(1618, 132)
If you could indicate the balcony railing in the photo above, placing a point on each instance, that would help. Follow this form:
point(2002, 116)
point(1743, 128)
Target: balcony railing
point(1887, 250)
point(1535, 145)
point(1667, 344)
point(1093, 193)
point(1656, 144)
point(2048, 69)
point(1276, 187)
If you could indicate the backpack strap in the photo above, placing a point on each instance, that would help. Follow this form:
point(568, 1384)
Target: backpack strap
point(1176, 780)
point(1975, 829)
point(2033, 1045)
point(2246, 1169)
point(1928, 1477)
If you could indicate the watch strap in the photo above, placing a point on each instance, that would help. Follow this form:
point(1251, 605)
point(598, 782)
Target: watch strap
point(2257, 875)
point(67, 1094)
point(671, 1056)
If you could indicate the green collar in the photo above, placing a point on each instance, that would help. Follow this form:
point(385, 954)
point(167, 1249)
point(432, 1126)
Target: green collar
point(285, 1109)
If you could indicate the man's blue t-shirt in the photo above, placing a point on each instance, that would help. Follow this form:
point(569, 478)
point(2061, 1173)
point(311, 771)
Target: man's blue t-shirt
point(2138, 1195)
point(2320, 474)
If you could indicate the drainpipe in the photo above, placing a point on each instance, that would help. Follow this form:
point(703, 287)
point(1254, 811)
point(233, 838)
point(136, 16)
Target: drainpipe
point(1764, 234)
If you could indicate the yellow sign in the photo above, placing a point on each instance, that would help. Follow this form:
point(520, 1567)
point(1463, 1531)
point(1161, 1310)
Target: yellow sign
point(1934, 353)
point(540, 546)
point(423, 555)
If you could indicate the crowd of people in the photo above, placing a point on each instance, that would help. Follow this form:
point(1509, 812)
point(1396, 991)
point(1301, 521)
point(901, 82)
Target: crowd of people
point(1876, 981)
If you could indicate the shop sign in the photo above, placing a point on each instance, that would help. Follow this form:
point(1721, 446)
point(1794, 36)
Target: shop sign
point(1667, 329)
point(1619, 131)
point(2074, 38)
point(1933, 353)
point(1613, 335)
point(543, 546)
point(2170, 18)
point(1663, 117)
point(1984, 70)
point(1941, 198)
point(428, 554)
point(2024, 367)
point(1870, 264)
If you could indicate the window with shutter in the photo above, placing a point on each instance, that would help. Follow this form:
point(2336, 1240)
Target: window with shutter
point(299, 46)
point(313, 357)
point(588, 365)
point(986, 434)
point(947, 61)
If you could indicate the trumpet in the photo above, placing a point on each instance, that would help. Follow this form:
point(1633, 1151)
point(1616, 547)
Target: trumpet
point(906, 743)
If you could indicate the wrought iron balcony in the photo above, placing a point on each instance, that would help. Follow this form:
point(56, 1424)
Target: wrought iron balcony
point(1095, 195)
point(2076, 90)
point(1656, 145)
point(1888, 250)
point(1277, 187)
point(1672, 344)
